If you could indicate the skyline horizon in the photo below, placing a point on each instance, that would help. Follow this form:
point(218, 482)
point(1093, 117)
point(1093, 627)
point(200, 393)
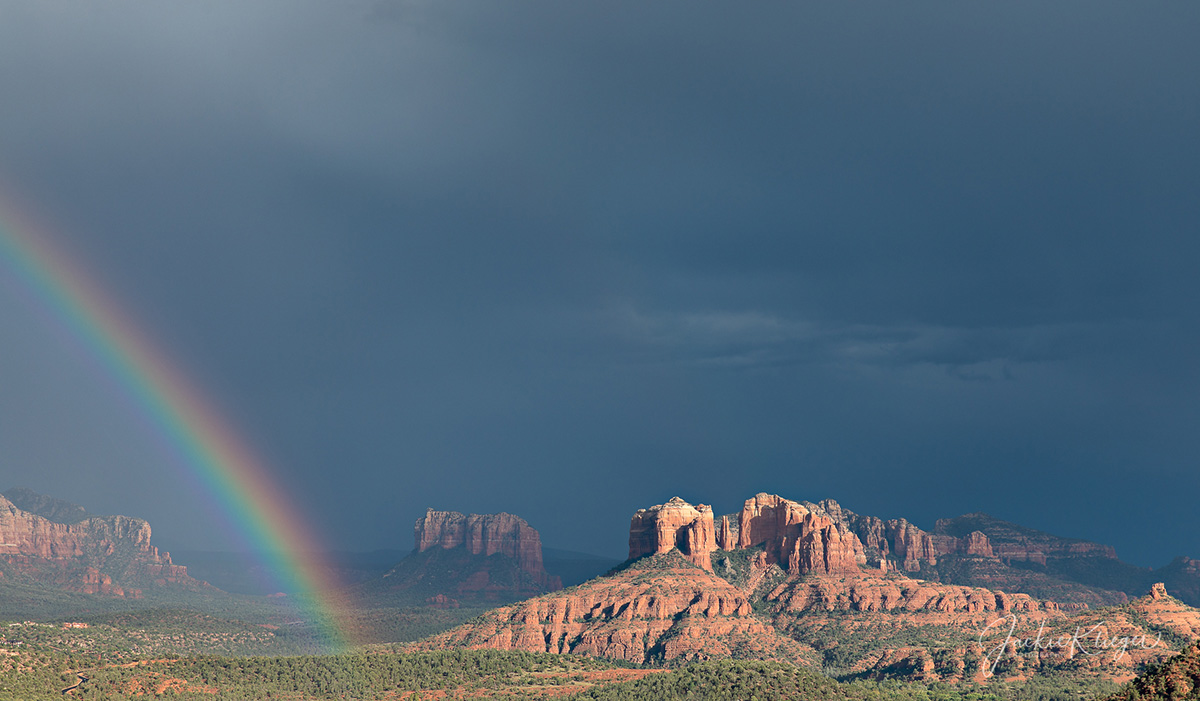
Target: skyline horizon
point(169, 546)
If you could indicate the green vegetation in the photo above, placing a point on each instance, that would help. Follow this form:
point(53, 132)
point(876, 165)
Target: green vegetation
point(735, 567)
point(182, 622)
point(846, 638)
point(1174, 680)
point(1170, 638)
point(37, 672)
point(406, 624)
point(743, 680)
point(735, 681)
point(651, 564)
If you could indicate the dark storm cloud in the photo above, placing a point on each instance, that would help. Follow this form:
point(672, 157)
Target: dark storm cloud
point(924, 259)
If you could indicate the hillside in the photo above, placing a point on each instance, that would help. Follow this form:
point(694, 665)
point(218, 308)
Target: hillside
point(658, 608)
point(1176, 679)
point(43, 672)
point(794, 581)
point(70, 550)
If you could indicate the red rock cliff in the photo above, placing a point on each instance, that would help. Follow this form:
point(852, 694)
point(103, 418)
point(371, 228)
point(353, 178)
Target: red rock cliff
point(907, 543)
point(802, 538)
point(80, 556)
point(485, 534)
point(671, 610)
point(676, 524)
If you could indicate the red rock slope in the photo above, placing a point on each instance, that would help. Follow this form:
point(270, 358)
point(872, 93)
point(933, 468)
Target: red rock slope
point(662, 607)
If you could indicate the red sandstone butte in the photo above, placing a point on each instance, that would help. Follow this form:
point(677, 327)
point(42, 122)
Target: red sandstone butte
point(76, 556)
point(802, 538)
point(485, 534)
point(674, 525)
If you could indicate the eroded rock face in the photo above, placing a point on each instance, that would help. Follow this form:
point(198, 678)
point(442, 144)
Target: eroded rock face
point(96, 555)
point(676, 525)
point(1161, 609)
point(976, 544)
point(896, 538)
point(801, 538)
point(727, 532)
point(658, 608)
point(869, 593)
point(485, 534)
point(818, 574)
point(909, 545)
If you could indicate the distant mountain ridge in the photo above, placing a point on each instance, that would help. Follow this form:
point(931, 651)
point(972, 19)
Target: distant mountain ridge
point(56, 510)
point(1012, 542)
point(107, 555)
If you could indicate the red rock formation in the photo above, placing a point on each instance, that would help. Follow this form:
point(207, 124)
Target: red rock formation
point(674, 525)
point(873, 593)
point(807, 540)
point(441, 601)
point(725, 535)
point(975, 544)
point(908, 544)
point(665, 608)
point(1161, 609)
point(669, 610)
point(77, 556)
point(1011, 542)
point(485, 534)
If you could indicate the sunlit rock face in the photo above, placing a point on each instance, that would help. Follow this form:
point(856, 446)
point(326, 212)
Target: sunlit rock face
point(800, 537)
point(674, 525)
point(109, 555)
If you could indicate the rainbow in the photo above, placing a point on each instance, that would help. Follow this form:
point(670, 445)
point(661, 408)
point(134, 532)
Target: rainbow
point(201, 440)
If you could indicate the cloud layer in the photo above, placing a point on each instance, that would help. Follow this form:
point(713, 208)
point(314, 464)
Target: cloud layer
point(922, 259)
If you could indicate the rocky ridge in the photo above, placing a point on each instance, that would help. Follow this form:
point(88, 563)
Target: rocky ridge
point(108, 555)
point(1012, 543)
point(803, 536)
point(819, 584)
point(56, 510)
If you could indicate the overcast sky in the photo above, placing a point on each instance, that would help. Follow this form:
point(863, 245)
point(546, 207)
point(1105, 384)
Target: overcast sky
point(569, 259)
